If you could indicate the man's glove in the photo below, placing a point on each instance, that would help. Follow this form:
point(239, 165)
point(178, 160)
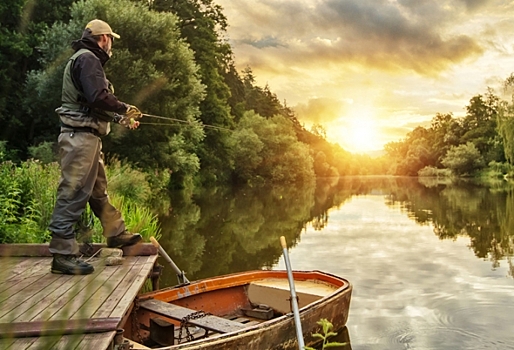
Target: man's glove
point(133, 112)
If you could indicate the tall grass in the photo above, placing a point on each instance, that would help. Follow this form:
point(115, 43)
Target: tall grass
point(28, 192)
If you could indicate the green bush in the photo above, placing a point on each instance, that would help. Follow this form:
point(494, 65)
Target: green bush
point(128, 182)
point(430, 171)
point(43, 152)
point(28, 193)
point(463, 159)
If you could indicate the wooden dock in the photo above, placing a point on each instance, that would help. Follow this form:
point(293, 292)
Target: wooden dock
point(41, 310)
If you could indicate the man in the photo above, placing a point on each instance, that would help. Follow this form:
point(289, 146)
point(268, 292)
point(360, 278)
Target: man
point(88, 105)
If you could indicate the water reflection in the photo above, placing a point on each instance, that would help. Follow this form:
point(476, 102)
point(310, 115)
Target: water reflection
point(414, 250)
point(224, 230)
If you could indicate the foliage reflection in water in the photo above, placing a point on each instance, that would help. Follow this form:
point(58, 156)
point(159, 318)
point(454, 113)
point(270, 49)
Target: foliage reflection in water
point(400, 232)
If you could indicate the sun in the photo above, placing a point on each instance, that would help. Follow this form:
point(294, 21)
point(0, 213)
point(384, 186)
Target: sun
point(361, 135)
point(358, 131)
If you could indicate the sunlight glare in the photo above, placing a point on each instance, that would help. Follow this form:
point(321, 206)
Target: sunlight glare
point(360, 134)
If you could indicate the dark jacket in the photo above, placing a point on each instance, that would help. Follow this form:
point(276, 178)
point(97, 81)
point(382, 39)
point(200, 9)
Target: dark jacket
point(89, 78)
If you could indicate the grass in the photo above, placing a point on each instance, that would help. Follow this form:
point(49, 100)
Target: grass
point(28, 193)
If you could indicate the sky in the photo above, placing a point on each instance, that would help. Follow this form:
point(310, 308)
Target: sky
point(370, 71)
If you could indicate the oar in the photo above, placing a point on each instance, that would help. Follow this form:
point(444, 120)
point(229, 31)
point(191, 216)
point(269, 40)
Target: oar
point(180, 274)
point(294, 300)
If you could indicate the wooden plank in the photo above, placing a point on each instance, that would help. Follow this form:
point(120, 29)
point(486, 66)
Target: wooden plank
point(132, 291)
point(59, 328)
point(142, 249)
point(95, 341)
point(73, 304)
point(6, 343)
point(13, 287)
point(34, 299)
point(24, 249)
point(97, 300)
point(62, 297)
point(26, 267)
point(41, 250)
point(46, 307)
point(45, 343)
point(120, 291)
point(21, 343)
point(71, 341)
point(210, 322)
point(8, 264)
point(33, 291)
point(83, 342)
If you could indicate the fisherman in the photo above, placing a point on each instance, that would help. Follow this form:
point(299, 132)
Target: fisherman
point(88, 107)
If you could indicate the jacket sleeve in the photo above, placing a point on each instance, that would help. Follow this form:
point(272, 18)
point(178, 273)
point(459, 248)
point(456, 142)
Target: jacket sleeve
point(89, 75)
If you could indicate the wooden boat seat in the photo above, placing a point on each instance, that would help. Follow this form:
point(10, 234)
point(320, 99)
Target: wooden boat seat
point(276, 293)
point(209, 322)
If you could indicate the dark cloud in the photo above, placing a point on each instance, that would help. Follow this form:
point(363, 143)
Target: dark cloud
point(265, 42)
point(474, 5)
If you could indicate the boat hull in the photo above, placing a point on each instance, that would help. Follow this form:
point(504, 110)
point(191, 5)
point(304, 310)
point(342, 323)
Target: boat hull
point(277, 333)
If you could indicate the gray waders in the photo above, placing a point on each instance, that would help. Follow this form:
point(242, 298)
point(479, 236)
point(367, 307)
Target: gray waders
point(82, 181)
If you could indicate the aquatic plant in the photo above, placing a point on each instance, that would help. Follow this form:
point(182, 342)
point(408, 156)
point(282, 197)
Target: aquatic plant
point(327, 327)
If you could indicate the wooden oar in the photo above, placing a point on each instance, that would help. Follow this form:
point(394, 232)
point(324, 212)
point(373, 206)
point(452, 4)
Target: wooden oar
point(180, 274)
point(294, 300)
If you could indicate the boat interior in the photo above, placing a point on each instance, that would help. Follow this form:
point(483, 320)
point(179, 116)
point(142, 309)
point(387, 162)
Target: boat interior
point(178, 315)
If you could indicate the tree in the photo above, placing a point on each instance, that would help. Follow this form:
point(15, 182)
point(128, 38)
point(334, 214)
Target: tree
point(506, 122)
point(151, 68)
point(480, 127)
point(413, 153)
point(268, 150)
point(463, 159)
point(446, 132)
point(202, 25)
point(22, 24)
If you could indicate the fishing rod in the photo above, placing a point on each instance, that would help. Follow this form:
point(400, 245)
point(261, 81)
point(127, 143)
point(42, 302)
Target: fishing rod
point(180, 121)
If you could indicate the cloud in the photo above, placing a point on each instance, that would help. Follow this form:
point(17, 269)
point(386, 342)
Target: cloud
point(319, 110)
point(404, 35)
point(404, 61)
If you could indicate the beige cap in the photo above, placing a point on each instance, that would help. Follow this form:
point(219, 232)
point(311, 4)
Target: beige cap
point(99, 27)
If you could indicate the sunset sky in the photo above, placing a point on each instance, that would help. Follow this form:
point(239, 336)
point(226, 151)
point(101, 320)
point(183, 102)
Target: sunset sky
point(370, 71)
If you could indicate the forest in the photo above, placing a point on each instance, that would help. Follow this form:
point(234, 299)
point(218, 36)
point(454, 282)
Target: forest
point(219, 127)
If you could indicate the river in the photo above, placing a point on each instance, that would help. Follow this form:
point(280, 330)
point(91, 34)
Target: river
point(430, 263)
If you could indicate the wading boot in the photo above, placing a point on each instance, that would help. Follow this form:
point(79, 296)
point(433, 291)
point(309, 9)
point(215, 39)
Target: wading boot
point(123, 240)
point(70, 265)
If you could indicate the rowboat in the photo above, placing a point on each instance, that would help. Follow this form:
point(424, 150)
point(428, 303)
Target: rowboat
point(248, 310)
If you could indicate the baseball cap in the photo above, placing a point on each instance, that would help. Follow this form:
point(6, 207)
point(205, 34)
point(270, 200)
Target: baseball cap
point(99, 27)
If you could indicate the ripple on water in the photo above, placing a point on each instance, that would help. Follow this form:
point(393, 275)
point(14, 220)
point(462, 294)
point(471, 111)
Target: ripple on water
point(437, 338)
point(452, 325)
point(445, 322)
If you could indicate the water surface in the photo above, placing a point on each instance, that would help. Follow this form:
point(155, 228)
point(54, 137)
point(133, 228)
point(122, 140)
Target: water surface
point(430, 263)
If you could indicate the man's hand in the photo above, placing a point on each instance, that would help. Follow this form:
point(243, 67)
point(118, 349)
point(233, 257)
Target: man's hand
point(127, 122)
point(133, 112)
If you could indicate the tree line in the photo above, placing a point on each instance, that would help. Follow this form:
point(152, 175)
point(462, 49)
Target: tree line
point(173, 61)
point(479, 144)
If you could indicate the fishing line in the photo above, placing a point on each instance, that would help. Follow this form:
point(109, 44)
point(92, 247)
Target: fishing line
point(180, 121)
